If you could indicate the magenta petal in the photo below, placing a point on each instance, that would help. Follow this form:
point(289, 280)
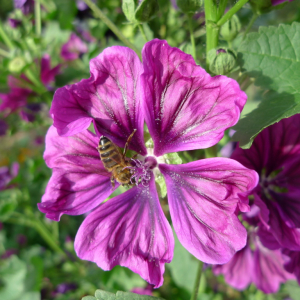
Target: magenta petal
point(263, 210)
point(48, 74)
point(13, 100)
point(203, 196)
point(292, 265)
point(267, 238)
point(73, 48)
point(275, 155)
point(185, 107)
point(129, 230)
point(288, 206)
point(111, 97)
point(268, 269)
point(287, 237)
point(238, 272)
point(276, 2)
point(79, 181)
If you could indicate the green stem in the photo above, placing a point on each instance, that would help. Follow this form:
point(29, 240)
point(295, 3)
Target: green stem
point(55, 230)
point(232, 11)
point(48, 5)
point(98, 12)
point(190, 16)
point(197, 281)
point(211, 10)
point(5, 38)
point(253, 19)
point(241, 78)
point(4, 53)
point(47, 236)
point(221, 8)
point(25, 84)
point(37, 14)
point(35, 80)
point(40, 228)
point(246, 83)
point(212, 30)
point(141, 28)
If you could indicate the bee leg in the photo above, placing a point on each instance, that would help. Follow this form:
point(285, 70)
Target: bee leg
point(112, 180)
point(127, 143)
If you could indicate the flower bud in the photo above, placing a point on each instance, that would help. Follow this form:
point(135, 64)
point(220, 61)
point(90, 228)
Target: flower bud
point(16, 65)
point(221, 60)
point(231, 29)
point(146, 10)
point(189, 6)
point(128, 8)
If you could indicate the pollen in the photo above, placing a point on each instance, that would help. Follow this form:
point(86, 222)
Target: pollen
point(142, 170)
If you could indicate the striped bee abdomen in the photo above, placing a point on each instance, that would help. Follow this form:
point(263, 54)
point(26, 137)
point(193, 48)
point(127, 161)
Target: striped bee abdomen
point(109, 153)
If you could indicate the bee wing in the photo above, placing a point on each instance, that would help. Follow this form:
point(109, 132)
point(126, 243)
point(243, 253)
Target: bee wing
point(120, 160)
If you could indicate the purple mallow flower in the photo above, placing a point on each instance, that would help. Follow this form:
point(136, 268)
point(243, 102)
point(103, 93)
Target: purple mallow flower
point(7, 174)
point(27, 6)
point(47, 73)
point(63, 288)
point(17, 97)
point(81, 5)
point(255, 264)
point(184, 108)
point(3, 127)
point(275, 155)
point(73, 48)
point(14, 23)
point(143, 291)
point(276, 2)
point(292, 264)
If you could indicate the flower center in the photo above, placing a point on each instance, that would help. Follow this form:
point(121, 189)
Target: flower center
point(270, 183)
point(141, 170)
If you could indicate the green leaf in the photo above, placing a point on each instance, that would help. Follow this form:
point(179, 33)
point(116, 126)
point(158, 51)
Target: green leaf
point(133, 296)
point(293, 289)
point(146, 10)
point(69, 75)
point(271, 110)
point(66, 13)
point(186, 47)
point(31, 296)
point(128, 8)
point(8, 203)
point(103, 295)
point(12, 275)
point(272, 57)
point(183, 266)
point(35, 273)
point(189, 6)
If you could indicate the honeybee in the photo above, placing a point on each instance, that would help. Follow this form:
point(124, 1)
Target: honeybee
point(115, 161)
